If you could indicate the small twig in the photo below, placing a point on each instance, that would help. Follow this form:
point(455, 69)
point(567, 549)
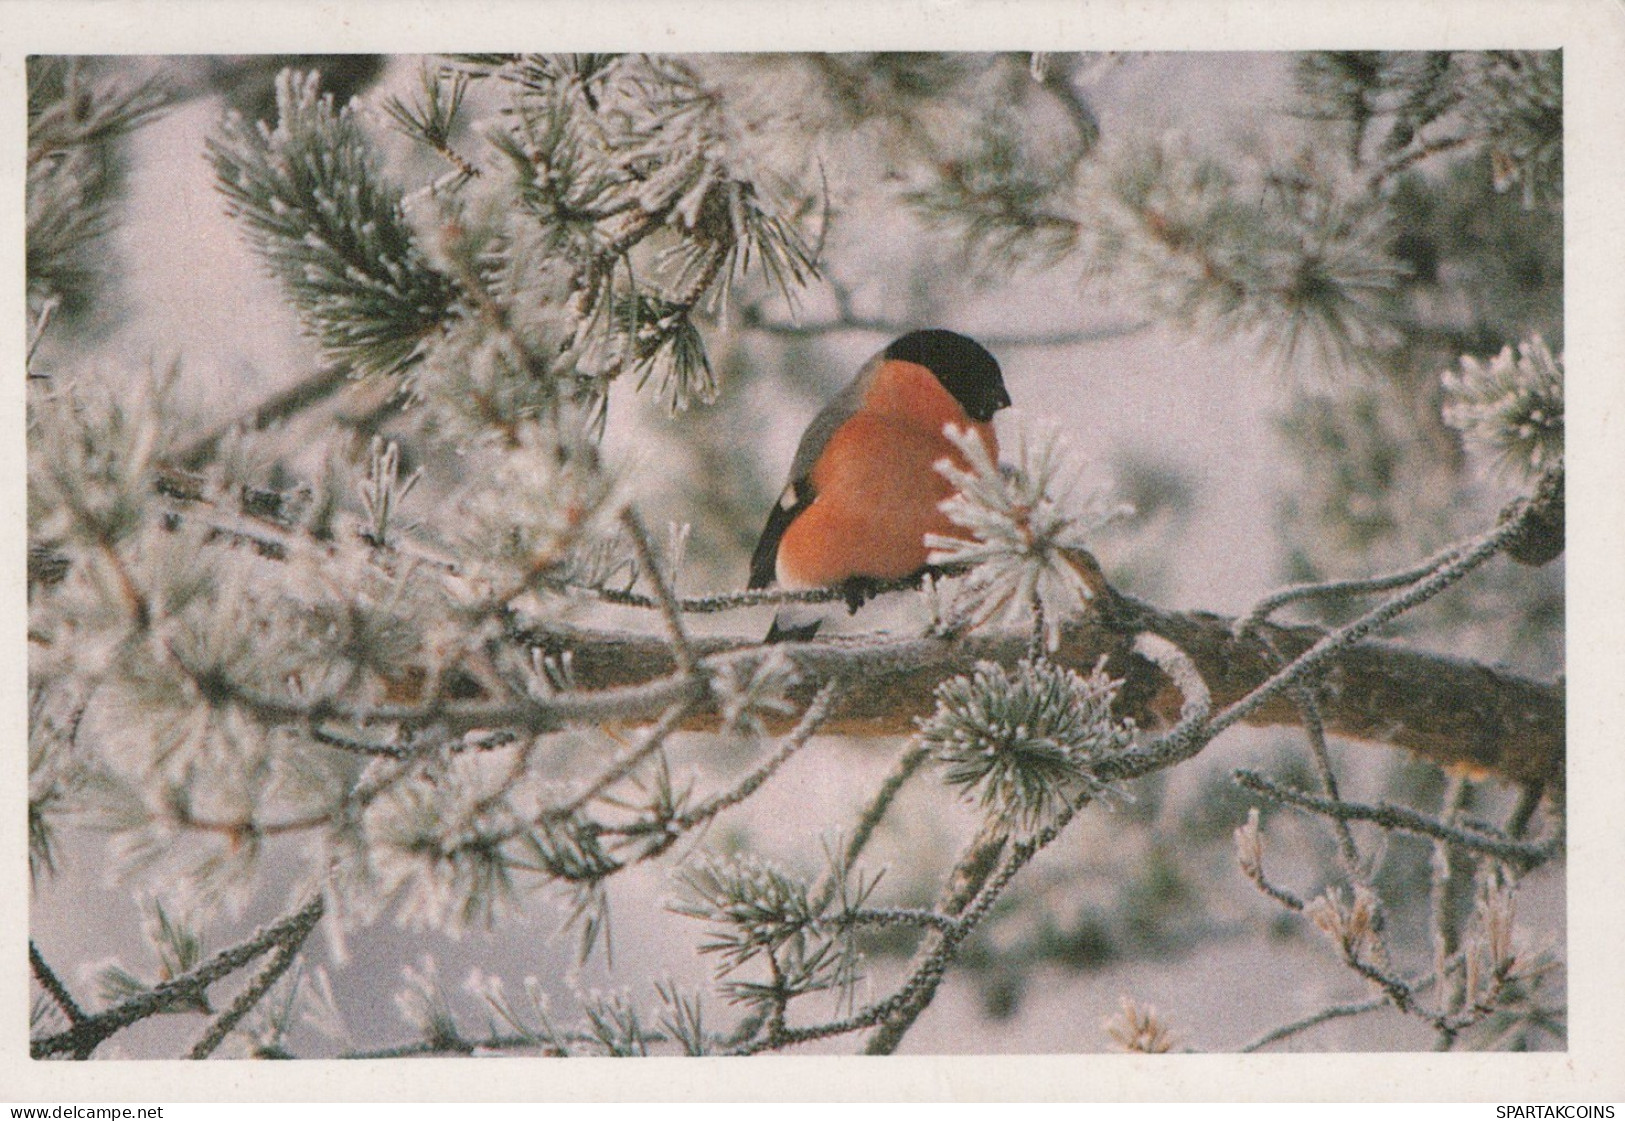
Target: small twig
point(1315, 731)
point(1520, 854)
point(237, 830)
point(794, 741)
point(1077, 108)
point(53, 985)
point(358, 747)
point(969, 876)
point(460, 1045)
point(652, 739)
point(84, 1037)
point(873, 814)
point(1036, 643)
point(1528, 802)
point(600, 706)
point(1184, 739)
point(36, 334)
point(1443, 922)
point(134, 598)
point(424, 1048)
point(899, 916)
point(1335, 1012)
point(862, 325)
point(1412, 155)
point(735, 601)
point(682, 651)
point(1336, 588)
point(781, 998)
point(815, 715)
point(1332, 644)
point(1314, 728)
point(1397, 992)
point(1250, 856)
point(245, 1002)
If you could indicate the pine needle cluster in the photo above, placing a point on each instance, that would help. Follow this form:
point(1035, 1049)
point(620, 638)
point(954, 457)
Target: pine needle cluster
point(1511, 406)
point(1023, 743)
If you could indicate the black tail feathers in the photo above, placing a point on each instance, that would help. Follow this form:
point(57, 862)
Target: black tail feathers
point(796, 623)
point(790, 625)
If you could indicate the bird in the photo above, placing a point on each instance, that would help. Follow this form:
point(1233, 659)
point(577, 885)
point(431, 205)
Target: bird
point(864, 490)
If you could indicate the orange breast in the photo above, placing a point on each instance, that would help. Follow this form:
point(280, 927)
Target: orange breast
point(877, 487)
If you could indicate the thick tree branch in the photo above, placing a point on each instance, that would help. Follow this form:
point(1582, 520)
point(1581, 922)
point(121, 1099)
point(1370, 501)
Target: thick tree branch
point(1453, 712)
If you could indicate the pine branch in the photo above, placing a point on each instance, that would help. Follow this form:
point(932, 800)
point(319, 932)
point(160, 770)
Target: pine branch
point(76, 119)
point(287, 950)
point(90, 1032)
point(53, 985)
point(312, 201)
point(995, 856)
point(1450, 711)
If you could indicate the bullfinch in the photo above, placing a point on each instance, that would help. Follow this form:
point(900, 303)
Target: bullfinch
point(864, 490)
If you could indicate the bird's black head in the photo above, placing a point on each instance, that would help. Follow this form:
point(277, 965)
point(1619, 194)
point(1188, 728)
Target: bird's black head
point(963, 366)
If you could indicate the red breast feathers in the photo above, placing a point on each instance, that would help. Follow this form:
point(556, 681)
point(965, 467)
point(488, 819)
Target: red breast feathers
point(876, 486)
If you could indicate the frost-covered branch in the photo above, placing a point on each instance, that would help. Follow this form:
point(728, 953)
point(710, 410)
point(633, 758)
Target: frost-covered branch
point(90, 1032)
point(1522, 855)
point(1383, 694)
point(310, 194)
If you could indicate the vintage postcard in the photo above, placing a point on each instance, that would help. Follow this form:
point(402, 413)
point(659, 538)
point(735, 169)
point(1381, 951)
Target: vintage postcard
point(1029, 541)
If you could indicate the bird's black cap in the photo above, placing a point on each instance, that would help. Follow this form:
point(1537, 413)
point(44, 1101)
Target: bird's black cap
point(962, 365)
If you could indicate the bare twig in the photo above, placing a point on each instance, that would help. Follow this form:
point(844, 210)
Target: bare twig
point(847, 324)
point(358, 747)
point(1520, 854)
point(1329, 646)
point(670, 610)
point(899, 916)
point(1250, 855)
point(650, 742)
point(1189, 735)
point(1335, 1012)
point(873, 814)
point(89, 1033)
point(1058, 82)
point(798, 737)
point(1528, 802)
point(1443, 918)
point(1315, 731)
point(1333, 589)
point(286, 952)
point(735, 601)
point(1414, 154)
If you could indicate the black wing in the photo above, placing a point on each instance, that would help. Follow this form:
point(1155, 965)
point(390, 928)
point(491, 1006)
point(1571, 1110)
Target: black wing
point(798, 494)
point(765, 560)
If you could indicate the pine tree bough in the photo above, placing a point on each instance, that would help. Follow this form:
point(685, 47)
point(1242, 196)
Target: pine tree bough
point(1452, 712)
